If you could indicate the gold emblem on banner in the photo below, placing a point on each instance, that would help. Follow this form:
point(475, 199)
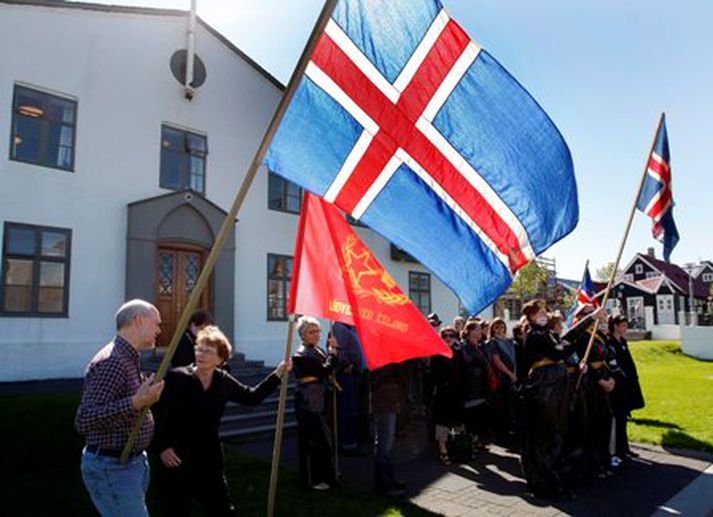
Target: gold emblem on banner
point(367, 277)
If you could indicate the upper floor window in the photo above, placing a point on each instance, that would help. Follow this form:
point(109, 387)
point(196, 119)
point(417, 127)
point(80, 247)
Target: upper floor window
point(708, 277)
point(652, 274)
point(628, 277)
point(35, 270)
point(43, 128)
point(638, 269)
point(419, 290)
point(183, 157)
point(283, 195)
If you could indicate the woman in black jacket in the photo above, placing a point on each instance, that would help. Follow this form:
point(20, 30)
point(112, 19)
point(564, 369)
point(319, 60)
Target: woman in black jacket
point(187, 419)
point(545, 414)
point(627, 394)
point(312, 367)
point(447, 402)
point(473, 375)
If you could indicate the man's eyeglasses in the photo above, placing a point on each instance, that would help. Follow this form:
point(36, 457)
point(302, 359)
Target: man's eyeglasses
point(448, 335)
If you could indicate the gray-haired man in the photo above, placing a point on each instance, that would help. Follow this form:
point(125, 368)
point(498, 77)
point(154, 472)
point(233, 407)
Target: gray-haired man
point(114, 393)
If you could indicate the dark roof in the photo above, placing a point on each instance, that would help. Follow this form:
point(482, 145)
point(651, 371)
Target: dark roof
point(678, 277)
point(153, 11)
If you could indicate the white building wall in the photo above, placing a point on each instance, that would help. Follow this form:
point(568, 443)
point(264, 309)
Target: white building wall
point(116, 65)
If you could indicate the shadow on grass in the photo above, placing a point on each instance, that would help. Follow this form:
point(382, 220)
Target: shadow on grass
point(681, 443)
point(650, 422)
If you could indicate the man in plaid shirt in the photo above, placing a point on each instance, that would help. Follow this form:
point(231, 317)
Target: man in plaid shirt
point(114, 394)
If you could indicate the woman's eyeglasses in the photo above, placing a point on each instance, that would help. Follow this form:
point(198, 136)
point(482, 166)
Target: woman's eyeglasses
point(446, 336)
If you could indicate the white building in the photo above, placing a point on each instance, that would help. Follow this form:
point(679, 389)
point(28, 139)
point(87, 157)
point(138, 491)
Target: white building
point(114, 185)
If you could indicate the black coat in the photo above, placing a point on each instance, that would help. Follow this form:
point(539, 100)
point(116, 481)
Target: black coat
point(627, 394)
point(447, 402)
point(188, 417)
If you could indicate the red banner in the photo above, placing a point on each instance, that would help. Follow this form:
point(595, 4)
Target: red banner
point(336, 277)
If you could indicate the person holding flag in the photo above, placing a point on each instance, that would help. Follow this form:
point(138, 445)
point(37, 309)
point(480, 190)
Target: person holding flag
point(312, 368)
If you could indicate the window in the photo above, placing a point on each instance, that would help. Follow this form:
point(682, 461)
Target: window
point(638, 269)
point(419, 290)
point(708, 277)
point(183, 157)
point(279, 274)
point(35, 271)
point(628, 277)
point(43, 129)
point(652, 274)
point(283, 195)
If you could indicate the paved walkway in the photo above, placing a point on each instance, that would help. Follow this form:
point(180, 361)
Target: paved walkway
point(658, 480)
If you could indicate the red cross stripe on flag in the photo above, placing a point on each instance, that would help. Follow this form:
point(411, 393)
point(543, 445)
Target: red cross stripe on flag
point(660, 171)
point(397, 129)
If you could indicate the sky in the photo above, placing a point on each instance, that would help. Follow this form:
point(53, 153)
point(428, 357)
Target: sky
point(602, 70)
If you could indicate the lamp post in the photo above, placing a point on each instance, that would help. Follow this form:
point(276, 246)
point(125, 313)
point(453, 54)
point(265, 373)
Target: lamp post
point(691, 300)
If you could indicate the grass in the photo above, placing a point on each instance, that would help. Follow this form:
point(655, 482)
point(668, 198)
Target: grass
point(40, 471)
point(679, 397)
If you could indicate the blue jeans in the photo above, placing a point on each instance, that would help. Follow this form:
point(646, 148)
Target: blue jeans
point(116, 489)
point(385, 424)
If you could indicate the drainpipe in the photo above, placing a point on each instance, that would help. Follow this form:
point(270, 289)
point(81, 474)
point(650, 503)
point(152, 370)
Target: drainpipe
point(188, 90)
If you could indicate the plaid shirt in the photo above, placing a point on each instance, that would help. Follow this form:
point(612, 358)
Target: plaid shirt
point(105, 414)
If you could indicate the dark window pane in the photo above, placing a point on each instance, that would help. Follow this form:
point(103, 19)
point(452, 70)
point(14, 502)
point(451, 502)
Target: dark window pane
point(54, 244)
point(283, 195)
point(171, 170)
point(279, 272)
point(59, 148)
point(21, 241)
point(50, 299)
point(172, 139)
point(51, 274)
point(183, 160)
point(43, 128)
point(25, 142)
point(51, 290)
point(196, 143)
point(18, 286)
point(60, 110)
point(165, 274)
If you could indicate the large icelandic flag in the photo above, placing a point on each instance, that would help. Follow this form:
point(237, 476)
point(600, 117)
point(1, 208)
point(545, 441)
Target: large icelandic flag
point(656, 198)
point(406, 124)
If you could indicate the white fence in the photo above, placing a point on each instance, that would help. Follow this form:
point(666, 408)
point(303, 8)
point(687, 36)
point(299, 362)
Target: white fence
point(697, 342)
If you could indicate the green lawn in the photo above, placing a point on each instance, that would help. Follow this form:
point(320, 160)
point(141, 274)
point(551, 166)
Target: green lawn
point(679, 397)
point(40, 450)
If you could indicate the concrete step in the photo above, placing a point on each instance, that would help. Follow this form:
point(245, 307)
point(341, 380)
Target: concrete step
point(252, 419)
point(252, 433)
point(269, 404)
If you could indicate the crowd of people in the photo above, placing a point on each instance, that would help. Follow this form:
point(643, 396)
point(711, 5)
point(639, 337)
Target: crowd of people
point(536, 389)
point(560, 399)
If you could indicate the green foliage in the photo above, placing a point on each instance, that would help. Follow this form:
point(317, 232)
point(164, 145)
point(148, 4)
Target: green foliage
point(530, 280)
point(603, 274)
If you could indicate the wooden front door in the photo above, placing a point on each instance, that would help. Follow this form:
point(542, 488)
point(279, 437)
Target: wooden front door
point(177, 270)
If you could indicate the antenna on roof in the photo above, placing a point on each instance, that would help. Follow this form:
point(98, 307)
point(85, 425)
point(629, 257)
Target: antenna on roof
point(188, 90)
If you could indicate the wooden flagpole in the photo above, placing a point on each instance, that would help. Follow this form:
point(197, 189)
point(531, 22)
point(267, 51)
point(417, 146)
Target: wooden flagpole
point(279, 426)
point(623, 240)
point(232, 214)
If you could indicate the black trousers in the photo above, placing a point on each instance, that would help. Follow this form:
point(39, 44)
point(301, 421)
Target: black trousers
point(622, 440)
point(206, 484)
point(314, 448)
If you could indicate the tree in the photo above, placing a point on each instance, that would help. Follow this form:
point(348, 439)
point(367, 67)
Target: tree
point(530, 280)
point(603, 274)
